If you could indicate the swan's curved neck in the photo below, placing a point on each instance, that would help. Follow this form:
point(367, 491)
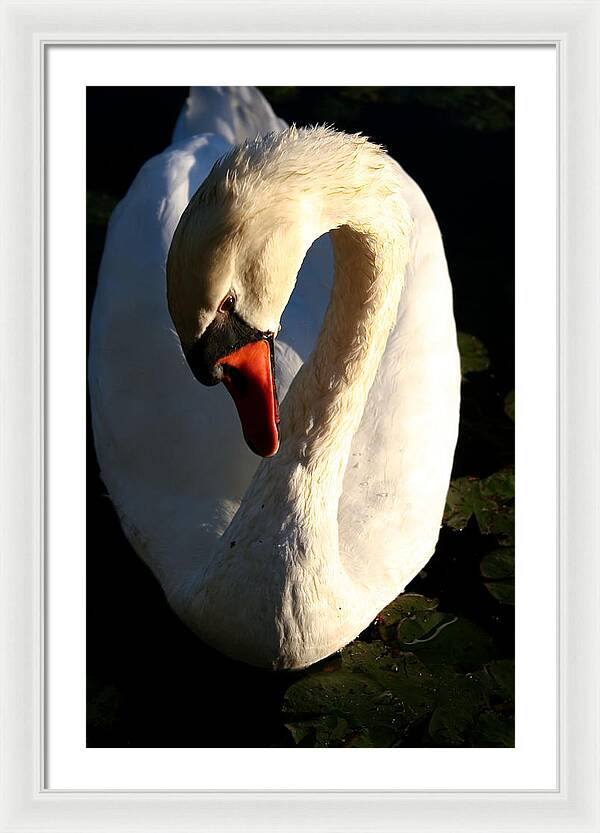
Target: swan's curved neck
point(324, 406)
point(280, 195)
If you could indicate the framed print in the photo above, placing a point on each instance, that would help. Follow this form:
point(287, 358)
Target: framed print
point(136, 683)
point(174, 747)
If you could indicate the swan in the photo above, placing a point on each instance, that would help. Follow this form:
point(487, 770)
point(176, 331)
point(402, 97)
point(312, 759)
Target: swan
point(284, 508)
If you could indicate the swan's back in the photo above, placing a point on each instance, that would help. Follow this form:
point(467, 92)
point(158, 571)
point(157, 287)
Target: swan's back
point(232, 113)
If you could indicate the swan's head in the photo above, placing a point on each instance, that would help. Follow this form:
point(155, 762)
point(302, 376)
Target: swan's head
point(231, 269)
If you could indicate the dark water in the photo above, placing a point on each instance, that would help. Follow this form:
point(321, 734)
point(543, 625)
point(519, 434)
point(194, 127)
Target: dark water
point(150, 682)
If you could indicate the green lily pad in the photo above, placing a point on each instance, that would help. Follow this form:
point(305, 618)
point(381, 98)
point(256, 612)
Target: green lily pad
point(500, 485)
point(476, 709)
point(404, 675)
point(509, 405)
point(413, 624)
point(473, 354)
point(403, 607)
point(460, 701)
point(498, 679)
point(499, 564)
point(498, 571)
point(447, 640)
point(464, 500)
point(328, 707)
point(327, 730)
point(492, 729)
point(421, 628)
point(375, 698)
point(490, 500)
point(502, 592)
point(330, 692)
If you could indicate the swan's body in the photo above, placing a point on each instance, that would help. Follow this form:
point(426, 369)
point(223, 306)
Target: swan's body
point(278, 562)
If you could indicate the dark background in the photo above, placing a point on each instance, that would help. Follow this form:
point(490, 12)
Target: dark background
point(150, 682)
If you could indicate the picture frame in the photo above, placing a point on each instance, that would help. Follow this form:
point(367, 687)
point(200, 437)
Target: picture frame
point(573, 29)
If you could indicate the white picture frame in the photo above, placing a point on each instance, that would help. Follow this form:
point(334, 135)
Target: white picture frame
point(573, 29)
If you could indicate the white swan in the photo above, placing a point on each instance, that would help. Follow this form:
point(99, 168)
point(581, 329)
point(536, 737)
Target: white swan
point(280, 562)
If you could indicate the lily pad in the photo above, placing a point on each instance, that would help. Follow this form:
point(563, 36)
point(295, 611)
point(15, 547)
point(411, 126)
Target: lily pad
point(504, 592)
point(473, 354)
point(476, 709)
point(326, 730)
point(499, 564)
point(447, 640)
point(461, 699)
point(403, 675)
point(500, 485)
point(414, 624)
point(330, 706)
point(492, 729)
point(464, 500)
point(404, 606)
point(509, 405)
point(498, 680)
point(490, 500)
point(375, 699)
point(498, 571)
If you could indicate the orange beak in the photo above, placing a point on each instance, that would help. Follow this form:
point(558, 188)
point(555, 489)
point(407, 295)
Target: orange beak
point(248, 375)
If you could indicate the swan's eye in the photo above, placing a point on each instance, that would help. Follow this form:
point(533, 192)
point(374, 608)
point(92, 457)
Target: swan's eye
point(227, 304)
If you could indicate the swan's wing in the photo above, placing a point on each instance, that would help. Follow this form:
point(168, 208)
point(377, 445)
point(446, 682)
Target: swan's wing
point(170, 450)
point(232, 113)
